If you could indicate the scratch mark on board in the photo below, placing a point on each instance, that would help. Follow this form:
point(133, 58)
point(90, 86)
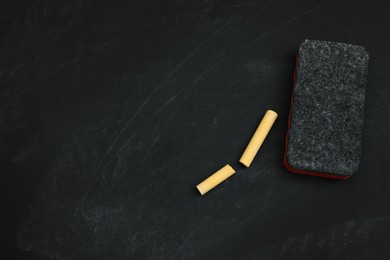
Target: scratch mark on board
point(90, 185)
point(62, 101)
point(51, 41)
point(268, 32)
point(243, 222)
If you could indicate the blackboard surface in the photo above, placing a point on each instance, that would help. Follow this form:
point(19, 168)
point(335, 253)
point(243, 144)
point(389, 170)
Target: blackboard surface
point(112, 111)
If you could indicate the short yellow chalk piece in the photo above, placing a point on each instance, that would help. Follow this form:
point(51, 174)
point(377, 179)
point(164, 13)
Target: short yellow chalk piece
point(215, 179)
point(258, 137)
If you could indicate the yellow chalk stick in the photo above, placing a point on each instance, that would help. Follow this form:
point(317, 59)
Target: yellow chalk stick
point(215, 179)
point(258, 137)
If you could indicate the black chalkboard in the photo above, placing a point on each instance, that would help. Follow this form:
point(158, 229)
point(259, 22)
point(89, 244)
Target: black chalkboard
point(112, 111)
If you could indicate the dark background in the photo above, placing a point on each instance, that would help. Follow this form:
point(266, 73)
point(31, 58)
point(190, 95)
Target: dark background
point(112, 111)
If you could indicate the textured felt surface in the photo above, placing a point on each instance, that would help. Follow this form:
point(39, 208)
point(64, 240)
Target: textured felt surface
point(326, 117)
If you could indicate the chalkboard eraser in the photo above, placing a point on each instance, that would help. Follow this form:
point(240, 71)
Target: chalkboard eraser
point(326, 116)
point(258, 137)
point(215, 179)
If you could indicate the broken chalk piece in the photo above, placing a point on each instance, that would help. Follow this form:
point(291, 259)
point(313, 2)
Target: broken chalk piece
point(258, 137)
point(215, 179)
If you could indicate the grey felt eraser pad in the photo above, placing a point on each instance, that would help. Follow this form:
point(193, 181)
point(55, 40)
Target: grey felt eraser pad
point(326, 116)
